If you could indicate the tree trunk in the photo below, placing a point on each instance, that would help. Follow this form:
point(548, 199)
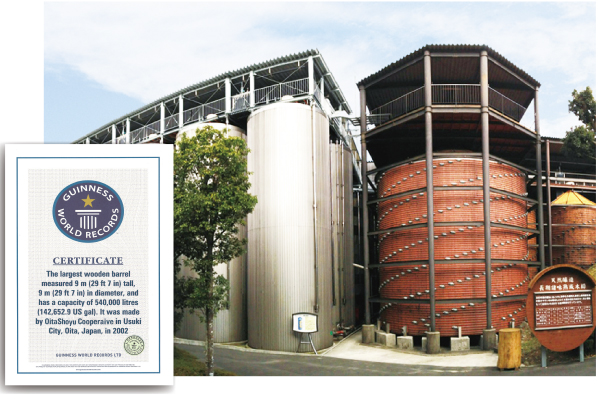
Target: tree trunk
point(209, 341)
point(210, 315)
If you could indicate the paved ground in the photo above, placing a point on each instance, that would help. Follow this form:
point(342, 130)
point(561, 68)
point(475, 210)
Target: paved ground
point(350, 358)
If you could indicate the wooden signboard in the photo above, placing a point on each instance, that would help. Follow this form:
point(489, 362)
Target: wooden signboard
point(561, 307)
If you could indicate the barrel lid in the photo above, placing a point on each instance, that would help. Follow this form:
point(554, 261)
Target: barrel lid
point(572, 198)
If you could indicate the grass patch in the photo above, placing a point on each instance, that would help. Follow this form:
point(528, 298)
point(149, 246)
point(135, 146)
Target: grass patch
point(185, 364)
point(531, 350)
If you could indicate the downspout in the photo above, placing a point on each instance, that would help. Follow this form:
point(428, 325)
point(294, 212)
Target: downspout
point(313, 157)
point(343, 247)
point(332, 246)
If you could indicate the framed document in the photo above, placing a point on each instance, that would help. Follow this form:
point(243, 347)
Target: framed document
point(88, 265)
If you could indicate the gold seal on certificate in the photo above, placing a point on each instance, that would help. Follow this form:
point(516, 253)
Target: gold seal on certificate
point(134, 345)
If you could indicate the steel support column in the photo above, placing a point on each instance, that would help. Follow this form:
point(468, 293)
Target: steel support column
point(113, 134)
point(540, 210)
point(128, 131)
point(548, 204)
point(430, 185)
point(251, 89)
point(364, 202)
point(486, 183)
point(181, 110)
point(310, 75)
point(162, 117)
point(227, 95)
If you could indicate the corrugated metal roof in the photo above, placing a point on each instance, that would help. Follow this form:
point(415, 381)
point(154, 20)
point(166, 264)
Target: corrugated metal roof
point(450, 48)
point(572, 198)
point(230, 74)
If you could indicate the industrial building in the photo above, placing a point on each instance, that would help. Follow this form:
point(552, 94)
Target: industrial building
point(359, 242)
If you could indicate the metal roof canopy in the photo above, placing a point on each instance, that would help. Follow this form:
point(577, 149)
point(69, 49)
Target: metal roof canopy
point(460, 130)
point(451, 64)
point(561, 162)
point(278, 70)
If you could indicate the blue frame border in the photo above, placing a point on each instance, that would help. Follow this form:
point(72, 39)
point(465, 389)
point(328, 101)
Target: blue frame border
point(159, 266)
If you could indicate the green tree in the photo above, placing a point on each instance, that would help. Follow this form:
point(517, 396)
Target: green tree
point(211, 199)
point(580, 141)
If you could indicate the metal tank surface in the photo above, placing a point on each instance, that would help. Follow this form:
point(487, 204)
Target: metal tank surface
point(289, 247)
point(341, 179)
point(230, 325)
point(453, 242)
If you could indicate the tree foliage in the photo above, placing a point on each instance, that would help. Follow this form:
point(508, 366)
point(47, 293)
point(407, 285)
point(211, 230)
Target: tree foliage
point(583, 106)
point(580, 141)
point(211, 199)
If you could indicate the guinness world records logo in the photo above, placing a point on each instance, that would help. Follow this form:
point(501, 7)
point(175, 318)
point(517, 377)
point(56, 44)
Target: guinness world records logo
point(88, 211)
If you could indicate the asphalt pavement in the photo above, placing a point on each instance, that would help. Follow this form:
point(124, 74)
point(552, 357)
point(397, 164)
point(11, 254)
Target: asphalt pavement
point(351, 358)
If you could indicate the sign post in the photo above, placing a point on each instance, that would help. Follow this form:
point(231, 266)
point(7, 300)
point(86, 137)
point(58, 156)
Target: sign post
point(561, 308)
point(305, 323)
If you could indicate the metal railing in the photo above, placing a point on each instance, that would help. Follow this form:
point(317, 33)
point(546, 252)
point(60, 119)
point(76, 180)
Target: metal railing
point(144, 132)
point(505, 105)
point(275, 92)
point(200, 112)
point(455, 94)
point(240, 102)
point(451, 94)
point(318, 94)
point(171, 122)
point(402, 105)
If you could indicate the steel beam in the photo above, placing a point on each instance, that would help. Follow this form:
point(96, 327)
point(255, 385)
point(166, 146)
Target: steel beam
point(406, 161)
point(511, 227)
point(181, 112)
point(548, 203)
point(500, 160)
point(449, 301)
point(392, 72)
point(540, 211)
point(430, 184)
point(364, 198)
point(401, 228)
point(398, 121)
point(452, 261)
point(486, 182)
point(162, 117)
point(251, 89)
point(511, 122)
point(399, 195)
point(510, 194)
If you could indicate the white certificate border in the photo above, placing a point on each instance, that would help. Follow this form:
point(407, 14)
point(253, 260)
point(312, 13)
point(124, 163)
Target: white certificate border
point(164, 373)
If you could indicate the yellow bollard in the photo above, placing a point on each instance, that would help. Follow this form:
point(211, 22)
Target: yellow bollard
point(509, 348)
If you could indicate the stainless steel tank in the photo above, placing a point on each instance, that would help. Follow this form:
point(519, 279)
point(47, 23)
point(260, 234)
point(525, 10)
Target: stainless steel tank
point(289, 247)
point(230, 325)
point(341, 178)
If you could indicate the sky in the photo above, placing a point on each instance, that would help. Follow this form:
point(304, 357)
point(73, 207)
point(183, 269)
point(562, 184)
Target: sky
point(103, 60)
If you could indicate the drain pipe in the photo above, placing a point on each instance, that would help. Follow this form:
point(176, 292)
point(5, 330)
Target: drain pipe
point(332, 246)
point(341, 211)
point(313, 157)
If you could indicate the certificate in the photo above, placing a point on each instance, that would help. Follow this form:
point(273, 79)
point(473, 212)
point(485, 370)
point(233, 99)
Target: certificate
point(88, 264)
